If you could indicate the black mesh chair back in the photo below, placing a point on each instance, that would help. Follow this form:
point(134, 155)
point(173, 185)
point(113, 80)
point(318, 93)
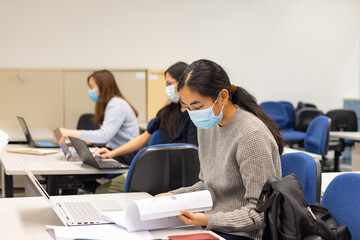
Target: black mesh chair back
point(343, 120)
point(86, 123)
point(301, 105)
point(304, 117)
point(161, 168)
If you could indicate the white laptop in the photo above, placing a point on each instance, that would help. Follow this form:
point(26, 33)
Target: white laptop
point(70, 213)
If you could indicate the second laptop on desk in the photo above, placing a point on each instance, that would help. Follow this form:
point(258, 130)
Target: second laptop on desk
point(98, 162)
point(29, 139)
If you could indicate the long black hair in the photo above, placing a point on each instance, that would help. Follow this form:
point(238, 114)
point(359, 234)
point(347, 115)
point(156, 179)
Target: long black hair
point(169, 114)
point(208, 79)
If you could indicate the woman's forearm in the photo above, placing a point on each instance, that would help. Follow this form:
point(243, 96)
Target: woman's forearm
point(132, 145)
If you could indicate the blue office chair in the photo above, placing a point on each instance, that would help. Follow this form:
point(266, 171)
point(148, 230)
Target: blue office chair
point(303, 119)
point(308, 171)
point(277, 112)
point(162, 168)
point(291, 112)
point(342, 198)
point(155, 138)
point(317, 136)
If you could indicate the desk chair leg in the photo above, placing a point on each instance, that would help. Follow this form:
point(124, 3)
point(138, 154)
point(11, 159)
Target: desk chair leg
point(9, 192)
point(53, 185)
point(336, 161)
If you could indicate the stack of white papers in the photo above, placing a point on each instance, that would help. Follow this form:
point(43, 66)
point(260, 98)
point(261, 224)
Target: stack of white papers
point(160, 212)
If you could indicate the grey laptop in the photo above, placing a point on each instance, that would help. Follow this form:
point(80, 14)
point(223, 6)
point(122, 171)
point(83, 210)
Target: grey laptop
point(87, 157)
point(29, 139)
point(70, 155)
point(70, 212)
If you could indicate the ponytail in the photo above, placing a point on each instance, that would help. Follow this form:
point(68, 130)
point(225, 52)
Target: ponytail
point(247, 102)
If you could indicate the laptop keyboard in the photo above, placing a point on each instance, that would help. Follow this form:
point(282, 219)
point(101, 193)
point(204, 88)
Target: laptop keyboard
point(82, 212)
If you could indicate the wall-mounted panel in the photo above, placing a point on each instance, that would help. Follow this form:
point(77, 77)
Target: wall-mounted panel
point(132, 84)
point(36, 95)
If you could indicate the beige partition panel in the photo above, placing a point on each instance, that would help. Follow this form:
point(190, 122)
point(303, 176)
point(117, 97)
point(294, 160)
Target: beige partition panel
point(36, 95)
point(132, 84)
point(156, 95)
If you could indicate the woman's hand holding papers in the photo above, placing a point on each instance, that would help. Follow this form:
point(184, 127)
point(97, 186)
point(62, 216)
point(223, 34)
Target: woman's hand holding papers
point(188, 217)
point(164, 194)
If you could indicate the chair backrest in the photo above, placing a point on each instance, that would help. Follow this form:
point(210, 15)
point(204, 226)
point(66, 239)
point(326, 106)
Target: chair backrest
point(342, 197)
point(277, 112)
point(162, 168)
point(155, 138)
point(343, 120)
point(301, 105)
point(317, 135)
point(308, 171)
point(291, 112)
point(86, 123)
point(304, 117)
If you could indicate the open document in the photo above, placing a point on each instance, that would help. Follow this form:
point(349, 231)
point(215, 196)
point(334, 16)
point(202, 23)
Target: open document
point(160, 212)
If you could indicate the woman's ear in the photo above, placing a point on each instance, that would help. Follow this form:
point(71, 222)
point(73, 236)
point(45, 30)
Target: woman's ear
point(224, 96)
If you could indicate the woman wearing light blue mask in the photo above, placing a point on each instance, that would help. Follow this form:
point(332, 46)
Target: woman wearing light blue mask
point(239, 148)
point(115, 116)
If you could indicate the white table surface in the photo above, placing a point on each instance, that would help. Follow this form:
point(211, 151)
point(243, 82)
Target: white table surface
point(327, 177)
point(292, 150)
point(51, 164)
point(351, 135)
point(27, 218)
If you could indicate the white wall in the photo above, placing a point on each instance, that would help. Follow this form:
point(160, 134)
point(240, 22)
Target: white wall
point(278, 49)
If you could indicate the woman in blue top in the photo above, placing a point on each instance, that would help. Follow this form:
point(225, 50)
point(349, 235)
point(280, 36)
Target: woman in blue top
point(115, 115)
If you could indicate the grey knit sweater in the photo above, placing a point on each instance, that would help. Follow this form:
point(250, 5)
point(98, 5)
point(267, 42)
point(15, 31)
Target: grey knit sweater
point(235, 162)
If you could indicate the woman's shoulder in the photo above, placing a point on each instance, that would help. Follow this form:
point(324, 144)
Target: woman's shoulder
point(117, 101)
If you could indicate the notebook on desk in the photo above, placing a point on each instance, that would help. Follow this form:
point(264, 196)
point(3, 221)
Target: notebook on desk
point(98, 162)
point(71, 213)
point(29, 139)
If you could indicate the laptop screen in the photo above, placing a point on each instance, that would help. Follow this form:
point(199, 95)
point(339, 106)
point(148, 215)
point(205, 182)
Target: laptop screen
point(35, 181)
point(25, 130)
point(61, 140)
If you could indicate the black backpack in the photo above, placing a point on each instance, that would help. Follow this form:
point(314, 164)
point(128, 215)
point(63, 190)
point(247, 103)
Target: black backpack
point(288, 217)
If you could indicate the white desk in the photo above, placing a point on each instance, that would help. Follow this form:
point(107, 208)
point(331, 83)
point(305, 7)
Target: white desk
point(292, 150)
point(355, 154)
point(51, 165)
point(327, 177)
point(26, 218)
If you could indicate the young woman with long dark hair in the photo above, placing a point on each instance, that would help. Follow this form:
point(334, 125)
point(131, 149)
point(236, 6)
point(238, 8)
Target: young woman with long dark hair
point(115, 115)
point(172, 120)
point(239, 148)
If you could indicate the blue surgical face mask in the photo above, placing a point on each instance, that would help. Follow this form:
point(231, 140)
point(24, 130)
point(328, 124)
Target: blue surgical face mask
point(93, 95)
point(205, 118)
point(172, 96)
